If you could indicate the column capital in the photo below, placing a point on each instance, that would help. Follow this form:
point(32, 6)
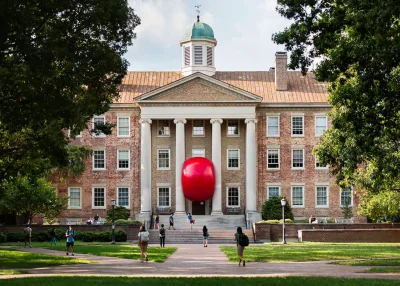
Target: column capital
point(180, 120)
point(216, 120)
point(251, 120)
point(145, 120)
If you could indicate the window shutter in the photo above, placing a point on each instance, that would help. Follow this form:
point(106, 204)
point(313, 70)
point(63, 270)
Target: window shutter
point(187, 56)
point(198, 55)
point(209, 56)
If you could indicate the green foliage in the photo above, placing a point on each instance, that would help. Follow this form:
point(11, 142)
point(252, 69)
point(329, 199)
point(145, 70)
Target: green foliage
point(127, 221)
point(358, 42)
point(60, 63)
point(119, 213)
point(75, 166)
point(3, 237)
point(272, 209)
point(380, 205)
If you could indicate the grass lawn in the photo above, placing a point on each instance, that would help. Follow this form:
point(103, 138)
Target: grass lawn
point(392, 265)
point(12, 272)
point(314, 251)
point(11, 258)
point(278, 281)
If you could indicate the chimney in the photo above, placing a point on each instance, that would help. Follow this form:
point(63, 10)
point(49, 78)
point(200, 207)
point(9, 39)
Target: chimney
point(281, 74)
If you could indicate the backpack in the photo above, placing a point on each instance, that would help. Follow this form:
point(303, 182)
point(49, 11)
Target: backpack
point(243, 240)
point(162, 232)
point(144, 236)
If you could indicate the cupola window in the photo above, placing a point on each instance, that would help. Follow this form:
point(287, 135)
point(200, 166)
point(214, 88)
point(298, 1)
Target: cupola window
point(187, 56)
point(198, 55)
point(209, 56)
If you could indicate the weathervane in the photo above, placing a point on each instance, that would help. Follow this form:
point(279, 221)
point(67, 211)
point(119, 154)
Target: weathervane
point(198, 11)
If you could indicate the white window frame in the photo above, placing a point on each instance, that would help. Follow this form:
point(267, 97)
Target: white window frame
point(327, 195)
point(227, 159)
point(80, 198)
point(105, 160)
point(77, 136)
point(291, 196)
point(129, 159)
point(279, 126)
point(158, 159)
point(298, 168)
point(227, 128)
point(317, 167)
point(158, 128)
point(101, 135)
point(326, 124)
point(273, 186)
point(227, 196)
point(169, 195)
point(352, 197)
point(204, 128)
point(105, 197)
point(129, 126)
point(202, 150)
point(279, 158)
point(302, 122)
point(129, 196)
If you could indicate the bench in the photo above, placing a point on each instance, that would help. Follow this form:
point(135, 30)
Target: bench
point(234, 210)
point(344, 220)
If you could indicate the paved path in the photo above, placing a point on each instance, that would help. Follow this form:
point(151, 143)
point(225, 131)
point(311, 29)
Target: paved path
point(195, 260)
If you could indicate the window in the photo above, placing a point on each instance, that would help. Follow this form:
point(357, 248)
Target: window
point(273, 126)
point(69, 134)
point(187, 56)
point(233, 127)
point(123, 126)
point(123, 160)
point(99, 198)
point(298, 159)
point(163, 128)
point(273, 191)
point(321, 123)
point(319, 165)
point(233, 196)
point(123, 197)
point(164, 197)
point(233, 159)
point(209, 56)
point(298, 196)
point(99, 120)
point(273, 159)
point(322, 196)
point(99, 159)
point(198, 55)
point(198, 152)
point(198, 128)
point(163, 159)
point(297, 125)
point(74, 201)
point(346, 197)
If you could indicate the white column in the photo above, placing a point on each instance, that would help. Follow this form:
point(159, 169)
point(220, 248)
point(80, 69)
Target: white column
point(145, 168)
point(251, 168)
point(216, 159)
point(180, 158)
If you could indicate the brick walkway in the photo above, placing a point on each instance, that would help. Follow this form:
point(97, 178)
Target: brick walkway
point(195, 260)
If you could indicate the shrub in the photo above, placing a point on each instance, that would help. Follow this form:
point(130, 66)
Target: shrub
point(272, 209)
point(127, 221)
point(15, 236)
point(3, 237)
point(119, 213)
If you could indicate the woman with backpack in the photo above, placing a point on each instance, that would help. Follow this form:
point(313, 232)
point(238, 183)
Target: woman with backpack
point(144, 236)
point(240, 248)
point(162, 236)
point(205, 236)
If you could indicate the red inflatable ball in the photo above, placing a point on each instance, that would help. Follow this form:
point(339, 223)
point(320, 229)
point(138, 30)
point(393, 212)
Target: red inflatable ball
point(198, 179)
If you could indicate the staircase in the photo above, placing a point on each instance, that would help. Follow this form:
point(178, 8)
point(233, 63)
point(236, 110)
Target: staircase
point(228, 222)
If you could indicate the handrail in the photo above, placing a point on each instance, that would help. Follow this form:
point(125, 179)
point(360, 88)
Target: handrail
point(151, 220)
point(253, 228)
point(245, 219)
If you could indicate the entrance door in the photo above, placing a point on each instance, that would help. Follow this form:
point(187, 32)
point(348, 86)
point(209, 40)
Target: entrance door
point(198, 208)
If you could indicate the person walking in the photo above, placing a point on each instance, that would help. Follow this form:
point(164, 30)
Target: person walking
point(162, 236)
point(70, 234)
point(240, 248)
point(28, 235)
point(191, 220)
point(157, 222)
point(53, 237)
point(171, 221)
point(144, 236)
point(205, 236)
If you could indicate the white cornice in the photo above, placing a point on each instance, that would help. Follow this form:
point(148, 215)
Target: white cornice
point(119, 105)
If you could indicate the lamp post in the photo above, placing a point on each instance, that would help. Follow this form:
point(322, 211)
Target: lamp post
point(283, 203)
point(113, 226)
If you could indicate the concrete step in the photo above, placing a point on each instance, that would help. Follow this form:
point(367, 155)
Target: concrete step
point(230, 222)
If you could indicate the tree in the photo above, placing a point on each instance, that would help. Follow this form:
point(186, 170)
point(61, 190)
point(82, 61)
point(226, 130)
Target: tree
point(358, 42)
point(272, 209)
point(382, 205)
point(119, 213)
point(31, 197)
point(60, 64)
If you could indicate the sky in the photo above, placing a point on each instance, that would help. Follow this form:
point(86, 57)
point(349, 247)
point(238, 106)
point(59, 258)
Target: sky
point(243, 29)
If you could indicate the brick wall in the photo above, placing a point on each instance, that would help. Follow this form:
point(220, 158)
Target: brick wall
point(350, 235)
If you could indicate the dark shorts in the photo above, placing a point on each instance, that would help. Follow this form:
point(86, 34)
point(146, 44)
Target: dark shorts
point(27, 237)
point(171, 223)
point(70, 244)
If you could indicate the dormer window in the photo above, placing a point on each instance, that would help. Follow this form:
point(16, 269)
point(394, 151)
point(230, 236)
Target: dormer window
point(187, 56)
point(209, 56)
point(198, 55)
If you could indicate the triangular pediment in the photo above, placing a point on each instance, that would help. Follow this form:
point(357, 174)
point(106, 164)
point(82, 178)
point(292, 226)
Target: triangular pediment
point(199, 88)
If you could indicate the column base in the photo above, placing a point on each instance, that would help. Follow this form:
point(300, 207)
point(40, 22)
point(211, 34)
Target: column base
point(217, 213)
point(145, 218)
point(180, 213)
point(253, 216)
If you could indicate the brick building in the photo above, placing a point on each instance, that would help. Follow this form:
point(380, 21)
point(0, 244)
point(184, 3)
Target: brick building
point(258, 128)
